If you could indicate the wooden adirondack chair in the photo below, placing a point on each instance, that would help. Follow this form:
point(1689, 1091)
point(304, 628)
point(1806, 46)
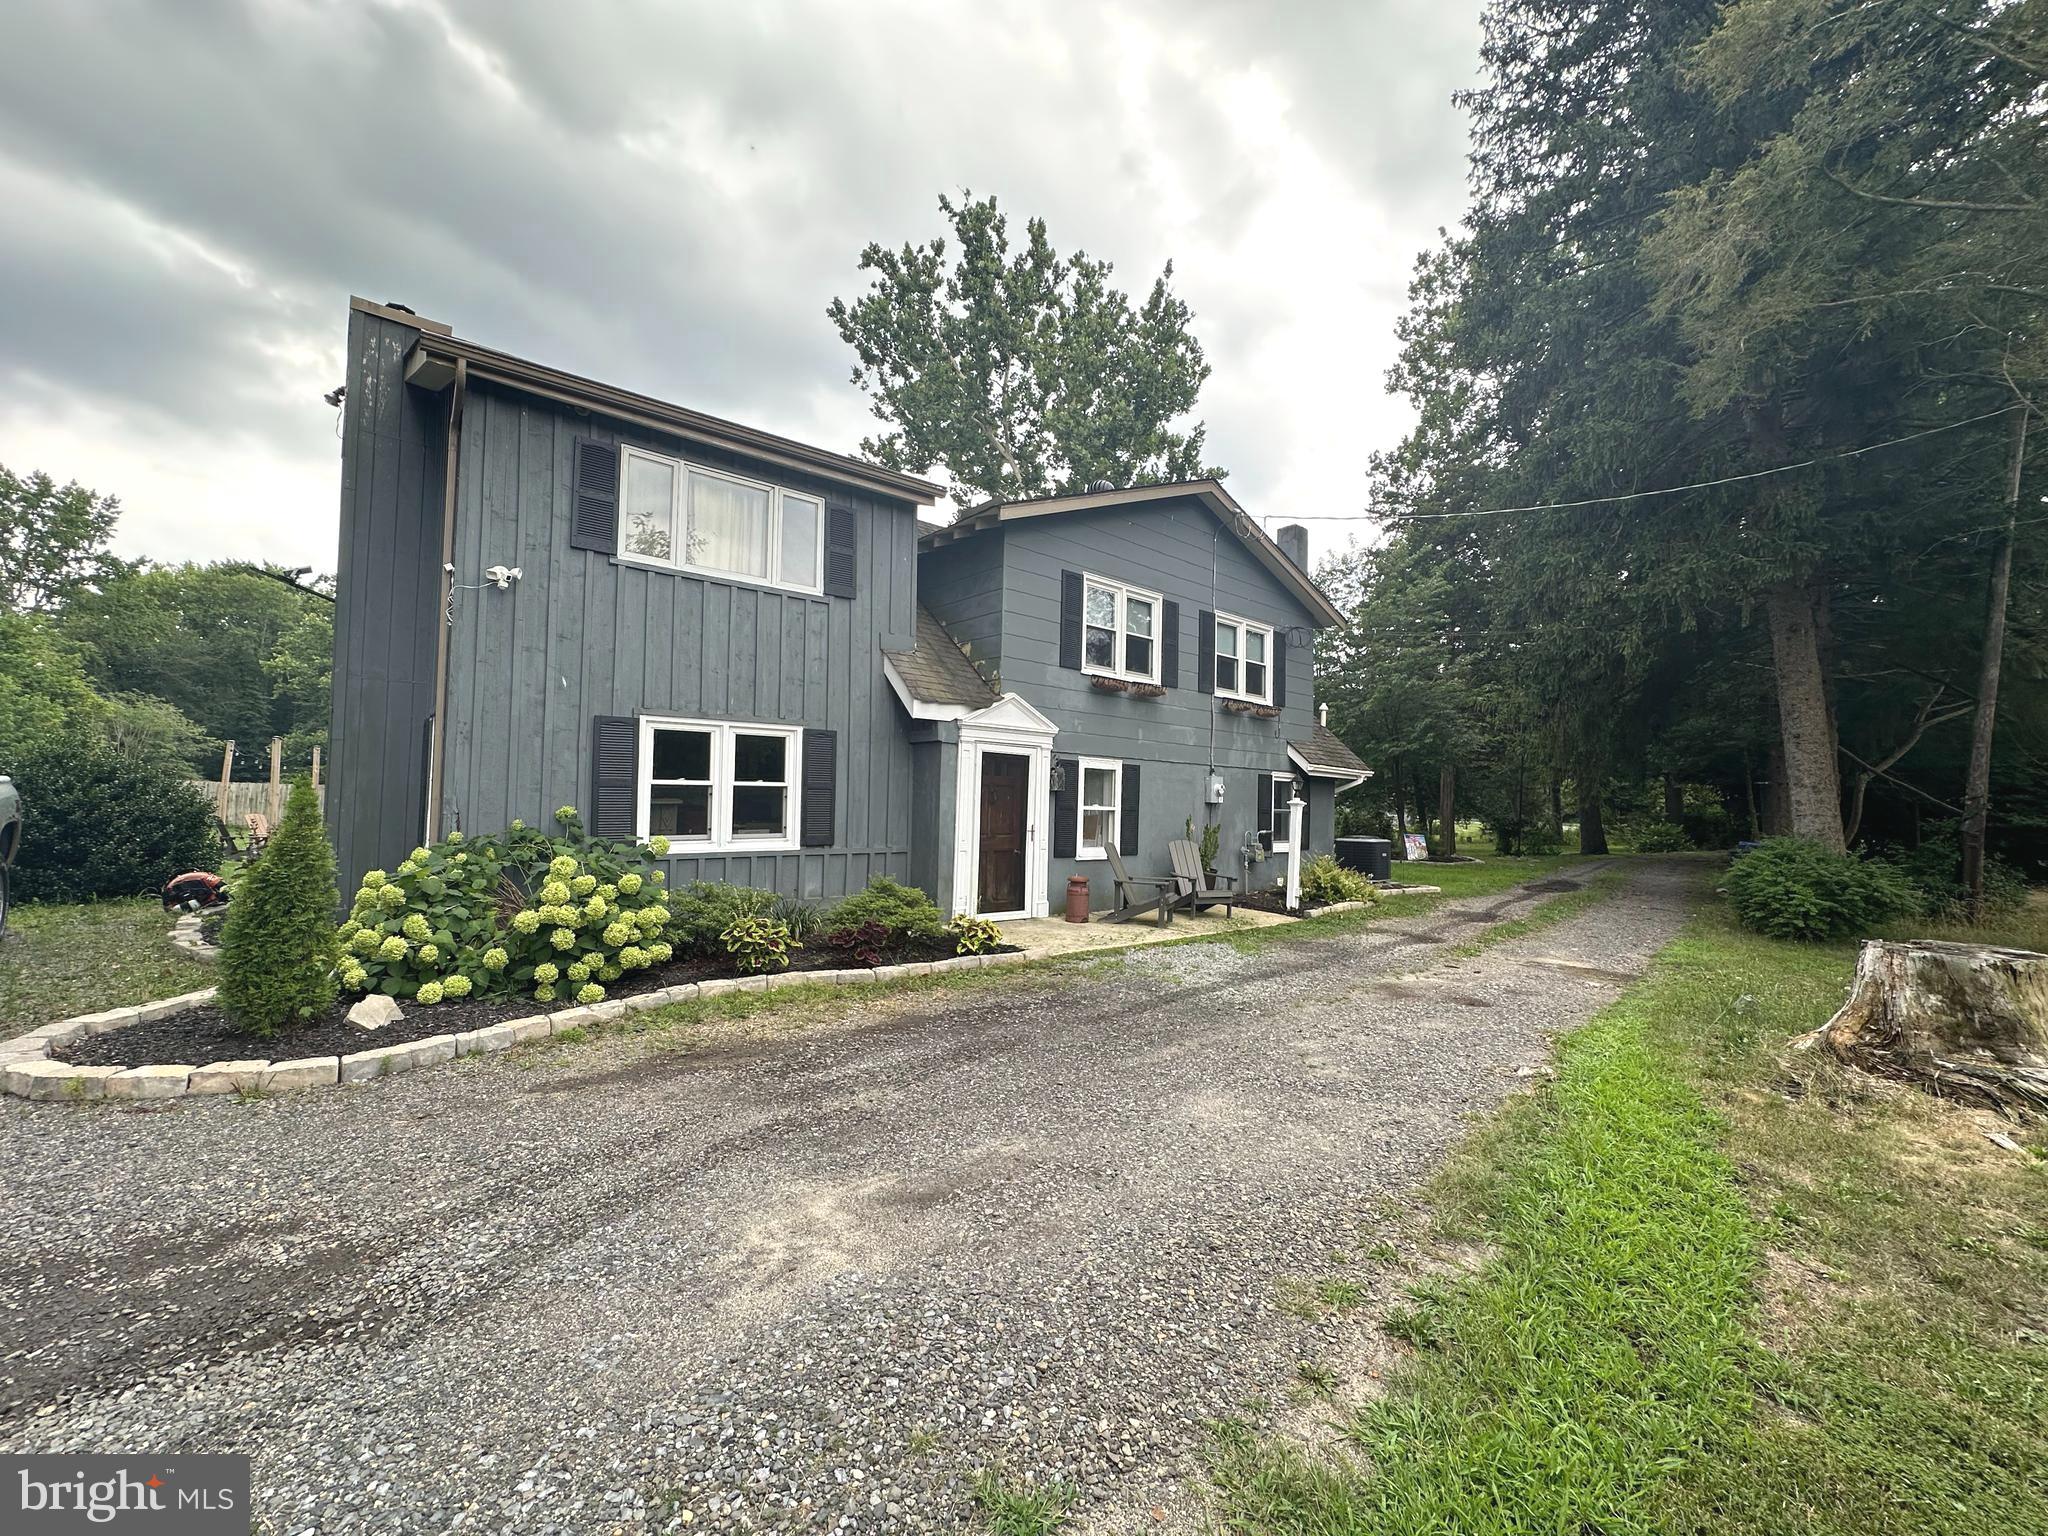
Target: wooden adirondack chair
point(1194, 887)
point(1131, 891)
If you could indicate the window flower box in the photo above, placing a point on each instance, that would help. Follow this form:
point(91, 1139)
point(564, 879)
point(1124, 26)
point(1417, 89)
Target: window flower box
point(1126, 687)
point(1247, 707)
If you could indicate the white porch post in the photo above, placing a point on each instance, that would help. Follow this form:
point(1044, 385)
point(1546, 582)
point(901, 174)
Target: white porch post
point(1294, 810)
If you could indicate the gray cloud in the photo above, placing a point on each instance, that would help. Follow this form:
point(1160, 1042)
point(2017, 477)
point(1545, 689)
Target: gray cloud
point(667, 196)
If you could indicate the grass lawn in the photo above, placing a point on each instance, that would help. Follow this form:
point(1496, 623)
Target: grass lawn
point(1728, 1292)
point(57, 961)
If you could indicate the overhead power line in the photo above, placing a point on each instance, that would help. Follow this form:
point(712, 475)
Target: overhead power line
point(1669, 490)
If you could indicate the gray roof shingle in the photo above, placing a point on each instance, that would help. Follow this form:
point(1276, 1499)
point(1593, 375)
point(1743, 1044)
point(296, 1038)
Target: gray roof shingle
point(938, 671)
point(1328, 756)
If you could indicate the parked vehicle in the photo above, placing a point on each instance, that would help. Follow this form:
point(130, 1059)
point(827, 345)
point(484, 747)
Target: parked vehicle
point(10, 839)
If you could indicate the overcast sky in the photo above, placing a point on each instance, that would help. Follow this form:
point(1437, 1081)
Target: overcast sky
point(665, 196)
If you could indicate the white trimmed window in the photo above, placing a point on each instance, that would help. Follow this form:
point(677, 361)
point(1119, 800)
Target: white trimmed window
point(1120, 631)
point(696, 519)
point(1283, 793)
point(712, 787)
point(1101, 802)
point(1244, 660)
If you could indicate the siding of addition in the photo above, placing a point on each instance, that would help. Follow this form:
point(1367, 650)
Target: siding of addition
point(386, 587)
point(1179, 550)
point(962, 584)
point(582, 634)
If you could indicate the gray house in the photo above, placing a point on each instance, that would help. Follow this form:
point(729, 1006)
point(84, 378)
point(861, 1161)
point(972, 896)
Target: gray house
point(1144, 661)
point(556, 592)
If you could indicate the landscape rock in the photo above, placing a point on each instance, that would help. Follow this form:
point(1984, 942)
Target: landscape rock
point(57, 1080)
point(303, 1072)
point(158, 1082)
point(374, 1012)
point(228, 1077)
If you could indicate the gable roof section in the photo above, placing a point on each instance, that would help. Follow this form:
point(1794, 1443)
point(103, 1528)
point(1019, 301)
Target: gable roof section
point(935, 679)
point(1323, 756)
point(1209, 493)
point(431, 365)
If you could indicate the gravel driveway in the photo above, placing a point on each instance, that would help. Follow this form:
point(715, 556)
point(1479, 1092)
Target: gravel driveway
point(775, 1278)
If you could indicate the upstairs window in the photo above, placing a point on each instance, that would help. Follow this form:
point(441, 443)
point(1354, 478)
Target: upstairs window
point(1120, 631)
point(681, 515)
point(1244, 653)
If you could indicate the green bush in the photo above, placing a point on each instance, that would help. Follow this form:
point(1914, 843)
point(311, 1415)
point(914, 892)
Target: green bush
point(99, 824)
point(902, 909)
point(973, 935)
point(759, 943)
point(1794, 888)
point(1659, 837)
point(561, 915)
point(1935, 870)
point(702, 911)
point(1324, 880)
point(278, 947)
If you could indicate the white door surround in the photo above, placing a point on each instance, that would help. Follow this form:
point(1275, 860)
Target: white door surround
point(1010, 725)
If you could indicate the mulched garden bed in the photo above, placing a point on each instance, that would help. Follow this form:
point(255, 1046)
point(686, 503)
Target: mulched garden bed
point(205, 1035)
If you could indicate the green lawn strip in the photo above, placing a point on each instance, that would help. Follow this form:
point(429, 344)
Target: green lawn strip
point(61, 960)
point(1611, 1369)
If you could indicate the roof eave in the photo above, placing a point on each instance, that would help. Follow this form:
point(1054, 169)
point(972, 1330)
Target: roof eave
point(1210, 492)
point(430, 365)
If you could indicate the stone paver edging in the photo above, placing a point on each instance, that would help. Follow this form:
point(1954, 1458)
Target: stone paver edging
point(186, 936)
point(27, 1072)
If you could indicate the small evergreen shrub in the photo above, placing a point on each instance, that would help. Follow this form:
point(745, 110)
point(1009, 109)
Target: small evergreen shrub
point(1794, 888)
point(1324, 881)
point(704, 909)
point(278, 947)
point(1659, 837)
point(759, 943)
point(100, 824)
point(973, 935)
point(905, 911)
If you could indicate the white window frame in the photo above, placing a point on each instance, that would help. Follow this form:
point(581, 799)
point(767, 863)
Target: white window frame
point(1081, 807)
point(1123, 592)
point(724, 734)
point(679, 538)
point(1242, 627)
point(1281, 842)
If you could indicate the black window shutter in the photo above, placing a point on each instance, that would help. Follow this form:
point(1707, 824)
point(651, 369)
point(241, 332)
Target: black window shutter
point(595, 523)
point(1279, 669)
point(1266, 811)
point(1169, 645)
point(1066, 805)
point(614, 775)
point(1205, 652)
point(842, 551)
point(1127, 814)
point(821, 788)
point(1070, 620)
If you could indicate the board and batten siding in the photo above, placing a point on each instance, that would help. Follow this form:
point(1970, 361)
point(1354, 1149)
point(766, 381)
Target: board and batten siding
point(387, 585)
point(583, 634)
point(1179, 550)
point(963, 584)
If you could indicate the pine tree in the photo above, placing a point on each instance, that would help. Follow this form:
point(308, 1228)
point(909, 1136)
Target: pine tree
point(278, 947)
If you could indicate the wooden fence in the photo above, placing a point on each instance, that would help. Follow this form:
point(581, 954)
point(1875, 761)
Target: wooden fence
point(244, 797)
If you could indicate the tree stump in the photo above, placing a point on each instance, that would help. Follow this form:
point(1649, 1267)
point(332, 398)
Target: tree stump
point(1966, 1021)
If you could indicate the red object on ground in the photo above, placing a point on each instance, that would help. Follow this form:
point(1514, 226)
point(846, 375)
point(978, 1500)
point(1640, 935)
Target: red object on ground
point(195, 888)
point(1077, 898)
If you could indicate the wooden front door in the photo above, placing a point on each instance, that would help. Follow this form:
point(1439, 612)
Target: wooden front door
point(1005, 786)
